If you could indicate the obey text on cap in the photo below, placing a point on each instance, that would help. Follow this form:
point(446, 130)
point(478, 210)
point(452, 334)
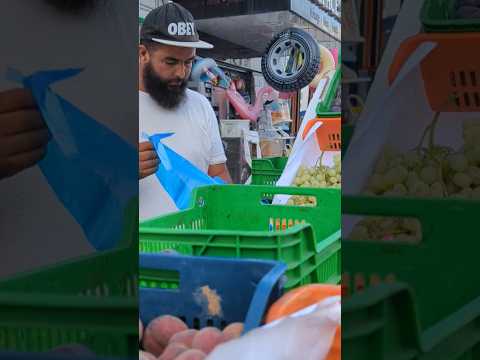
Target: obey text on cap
point(181, 28)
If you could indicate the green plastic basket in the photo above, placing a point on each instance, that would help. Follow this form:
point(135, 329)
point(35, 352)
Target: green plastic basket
point(80, 301)
point(439, 16)
point(429, 302)
point(91, 300)
point(234, 221)
point(267, 171)
point(325, 105)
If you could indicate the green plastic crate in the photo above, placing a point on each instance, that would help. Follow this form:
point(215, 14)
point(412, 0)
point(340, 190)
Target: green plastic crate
point(423, 311)
point(234, 221)
point(439, 16)
point(267, 171)
point(331, 91)
point(91, 300)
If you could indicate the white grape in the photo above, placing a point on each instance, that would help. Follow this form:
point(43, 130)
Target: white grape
point(396, 175)
point(400, 189)
point(412, 159)
point(462, 180)
point(429, 174)
point(412, 179)
point(474, 173)
point(436, 189)
point(412, 225)
point(458, 162)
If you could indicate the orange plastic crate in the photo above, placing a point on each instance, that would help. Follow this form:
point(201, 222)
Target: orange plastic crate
point(329, 135)
point(451, 71)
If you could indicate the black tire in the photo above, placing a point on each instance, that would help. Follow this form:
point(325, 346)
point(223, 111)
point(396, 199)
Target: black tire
point(305, 74)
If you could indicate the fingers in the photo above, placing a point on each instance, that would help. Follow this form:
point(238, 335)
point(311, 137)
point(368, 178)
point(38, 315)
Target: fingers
point(21, 121)
point(11, 165)
point(149, 164)
point(23, 133)
point(145, 146)
point(147, 155)
point(148, 159)
point(24, 142)
point(148, 172)
point(16, 99)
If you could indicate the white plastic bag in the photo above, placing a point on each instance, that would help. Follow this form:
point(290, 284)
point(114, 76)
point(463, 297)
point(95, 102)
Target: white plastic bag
point(307, 335)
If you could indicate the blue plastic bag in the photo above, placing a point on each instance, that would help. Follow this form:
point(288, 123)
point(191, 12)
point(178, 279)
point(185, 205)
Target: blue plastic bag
point(92, 170)
point(178, 176)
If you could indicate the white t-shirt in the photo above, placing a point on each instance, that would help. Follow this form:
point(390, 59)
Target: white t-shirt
point(196, 137)
point(35, 228)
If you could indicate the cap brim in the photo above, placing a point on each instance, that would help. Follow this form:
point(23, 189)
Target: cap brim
point(195, 44)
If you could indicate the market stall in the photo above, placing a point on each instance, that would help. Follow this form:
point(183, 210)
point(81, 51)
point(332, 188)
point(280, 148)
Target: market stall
point(201, 262)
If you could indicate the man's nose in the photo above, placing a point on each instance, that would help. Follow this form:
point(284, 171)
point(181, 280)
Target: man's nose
point(181, 71)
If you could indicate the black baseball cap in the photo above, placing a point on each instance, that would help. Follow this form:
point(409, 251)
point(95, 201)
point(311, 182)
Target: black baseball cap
point(172, 24)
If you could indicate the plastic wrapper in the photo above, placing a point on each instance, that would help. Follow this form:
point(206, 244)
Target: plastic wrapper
point(178, 176)
point(310, 333)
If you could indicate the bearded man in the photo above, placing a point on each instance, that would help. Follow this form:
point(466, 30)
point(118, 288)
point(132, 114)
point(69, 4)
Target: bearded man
point(168, 41)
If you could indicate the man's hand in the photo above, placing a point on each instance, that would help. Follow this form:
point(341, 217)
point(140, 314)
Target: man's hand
point(23, 133)
point(147, 159)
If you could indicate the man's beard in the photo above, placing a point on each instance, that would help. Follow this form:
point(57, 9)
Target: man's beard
point(74, 7)
point(168, 97)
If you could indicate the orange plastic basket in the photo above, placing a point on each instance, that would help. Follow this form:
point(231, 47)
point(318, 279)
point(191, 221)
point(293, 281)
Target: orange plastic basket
point(450, 72)
point(329, 135)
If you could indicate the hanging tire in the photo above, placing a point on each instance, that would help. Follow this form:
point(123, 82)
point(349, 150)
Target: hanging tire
point(291, 61)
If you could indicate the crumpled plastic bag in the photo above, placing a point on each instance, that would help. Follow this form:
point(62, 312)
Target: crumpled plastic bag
point(178, 176)
point(307, 335)
point(91, 169)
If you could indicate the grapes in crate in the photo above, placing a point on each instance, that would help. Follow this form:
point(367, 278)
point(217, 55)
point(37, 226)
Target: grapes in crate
point(318, 176)
point(432, 171)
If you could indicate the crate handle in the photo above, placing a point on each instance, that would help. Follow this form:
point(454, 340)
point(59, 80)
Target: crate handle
point(171, 262)
point(393, 207)
point(427, 211)
point(261, 296)
point(379, 295)
point(403, 53)
point(286, 190)
point(328, 241)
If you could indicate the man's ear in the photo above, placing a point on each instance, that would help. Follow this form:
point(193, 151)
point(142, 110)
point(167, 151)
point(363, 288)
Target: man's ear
point(143, 54)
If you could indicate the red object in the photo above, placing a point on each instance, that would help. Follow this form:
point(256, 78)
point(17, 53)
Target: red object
point(335, 55)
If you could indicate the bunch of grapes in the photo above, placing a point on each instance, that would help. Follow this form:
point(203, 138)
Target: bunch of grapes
point(438, 172)
point(299, 200)
point(319, 176)
point(427, 172)
point(387, 229)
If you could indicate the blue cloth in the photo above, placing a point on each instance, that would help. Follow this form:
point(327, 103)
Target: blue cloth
point(178, 176)
point(92, 170)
